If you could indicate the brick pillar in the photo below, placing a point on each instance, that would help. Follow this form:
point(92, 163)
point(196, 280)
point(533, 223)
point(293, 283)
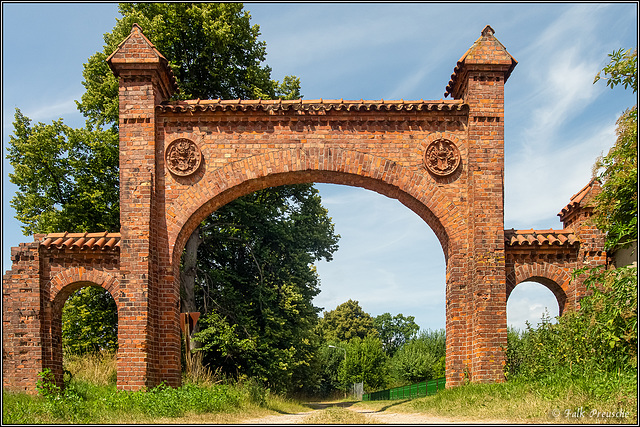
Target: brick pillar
point(144, 81)
point(22, 329)
point(479, 79)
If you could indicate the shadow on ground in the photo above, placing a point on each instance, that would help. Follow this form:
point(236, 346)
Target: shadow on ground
point(347, 404)
point(325, 405)
point(384, 408)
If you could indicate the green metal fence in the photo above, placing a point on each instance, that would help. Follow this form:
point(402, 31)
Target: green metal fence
point(425, 388)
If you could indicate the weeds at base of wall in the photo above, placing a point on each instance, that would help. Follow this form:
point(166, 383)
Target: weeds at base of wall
point(98, 401)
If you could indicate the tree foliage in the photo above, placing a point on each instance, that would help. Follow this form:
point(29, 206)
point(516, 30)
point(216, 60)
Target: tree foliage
point(89, 322)
point(346, 322)
point(67, 178)
point(257, 280)
point(616, 210)
point(395, 331)
point(622, 69)
point(365, 362)
point(421, 359)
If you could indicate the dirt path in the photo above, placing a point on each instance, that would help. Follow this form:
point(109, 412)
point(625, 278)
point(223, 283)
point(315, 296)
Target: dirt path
point(376, 417)
point(389, 417)
point(279, 419)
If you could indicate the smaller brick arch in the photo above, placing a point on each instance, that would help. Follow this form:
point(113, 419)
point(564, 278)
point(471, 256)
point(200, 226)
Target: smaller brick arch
point(66, 282)
point(61, 287)
point(556, 279)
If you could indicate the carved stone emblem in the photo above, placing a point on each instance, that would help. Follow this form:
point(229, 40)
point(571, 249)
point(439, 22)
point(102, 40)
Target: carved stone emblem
point(183, 157)
point(442, 157)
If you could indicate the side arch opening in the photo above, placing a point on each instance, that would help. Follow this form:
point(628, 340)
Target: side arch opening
point(83, 331)
point(533, 298)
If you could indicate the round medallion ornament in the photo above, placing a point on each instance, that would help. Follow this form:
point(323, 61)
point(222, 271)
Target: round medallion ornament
point(183, 157)
point(442, 157)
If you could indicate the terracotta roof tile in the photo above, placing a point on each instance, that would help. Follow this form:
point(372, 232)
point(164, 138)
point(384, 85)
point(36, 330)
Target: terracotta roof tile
point(533, 237)
point(273, 105)
point(82, 241)
point(577, 198)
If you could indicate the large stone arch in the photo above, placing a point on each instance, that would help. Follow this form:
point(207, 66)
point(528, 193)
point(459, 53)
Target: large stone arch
point(182, 160)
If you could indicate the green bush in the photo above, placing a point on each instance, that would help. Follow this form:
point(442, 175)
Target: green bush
point(422, 358)
point(600, 337)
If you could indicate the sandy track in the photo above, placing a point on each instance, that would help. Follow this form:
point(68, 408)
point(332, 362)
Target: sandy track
point(384, 417)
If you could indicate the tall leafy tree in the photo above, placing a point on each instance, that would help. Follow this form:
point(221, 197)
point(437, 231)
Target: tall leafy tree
point(395, 331)
point(365, 362)
point(68, 178)
point(255, 280)
point(616, 210)
point(422, 358)
point(346, 322)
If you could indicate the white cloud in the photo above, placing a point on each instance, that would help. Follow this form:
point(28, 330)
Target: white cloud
point(529, 301)
point(540, 182)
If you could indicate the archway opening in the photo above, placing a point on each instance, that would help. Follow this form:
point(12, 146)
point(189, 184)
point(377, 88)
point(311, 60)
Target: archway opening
point(531, 302)
point(89, 335)
point(400, 267)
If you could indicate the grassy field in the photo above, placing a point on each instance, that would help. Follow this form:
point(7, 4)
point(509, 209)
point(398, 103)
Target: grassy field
point(84, 402)
point(610, 400)
point(91, 397)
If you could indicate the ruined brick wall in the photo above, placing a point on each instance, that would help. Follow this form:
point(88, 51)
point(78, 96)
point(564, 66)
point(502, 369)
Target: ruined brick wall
point(21, 327)
point(43, 275)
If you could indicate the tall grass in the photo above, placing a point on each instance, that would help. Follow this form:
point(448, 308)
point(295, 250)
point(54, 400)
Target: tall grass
point(98, 368)
point(90, 396)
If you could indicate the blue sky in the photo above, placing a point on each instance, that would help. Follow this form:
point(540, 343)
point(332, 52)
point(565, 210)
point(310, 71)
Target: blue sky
point(556, 120)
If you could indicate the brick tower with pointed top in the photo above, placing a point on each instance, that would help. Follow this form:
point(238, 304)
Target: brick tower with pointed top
point(148, 319)
point(479, 79)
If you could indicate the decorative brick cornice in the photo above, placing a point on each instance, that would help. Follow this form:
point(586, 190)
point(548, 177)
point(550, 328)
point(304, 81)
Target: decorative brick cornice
point(317, 106)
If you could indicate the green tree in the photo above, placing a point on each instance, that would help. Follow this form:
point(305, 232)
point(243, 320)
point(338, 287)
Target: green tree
point(422, 358)
point(68, 178)
point(328, 363)
point(365, 362)
point(395, 331)
point(616, 209)
point(255, 273)
point(346, 322)
point(89, 322)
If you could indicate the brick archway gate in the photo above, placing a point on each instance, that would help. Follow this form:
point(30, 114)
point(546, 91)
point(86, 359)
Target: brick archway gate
point(180, 161)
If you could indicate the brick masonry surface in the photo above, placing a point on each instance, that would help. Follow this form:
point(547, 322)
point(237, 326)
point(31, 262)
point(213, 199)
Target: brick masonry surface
point(182, 160)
